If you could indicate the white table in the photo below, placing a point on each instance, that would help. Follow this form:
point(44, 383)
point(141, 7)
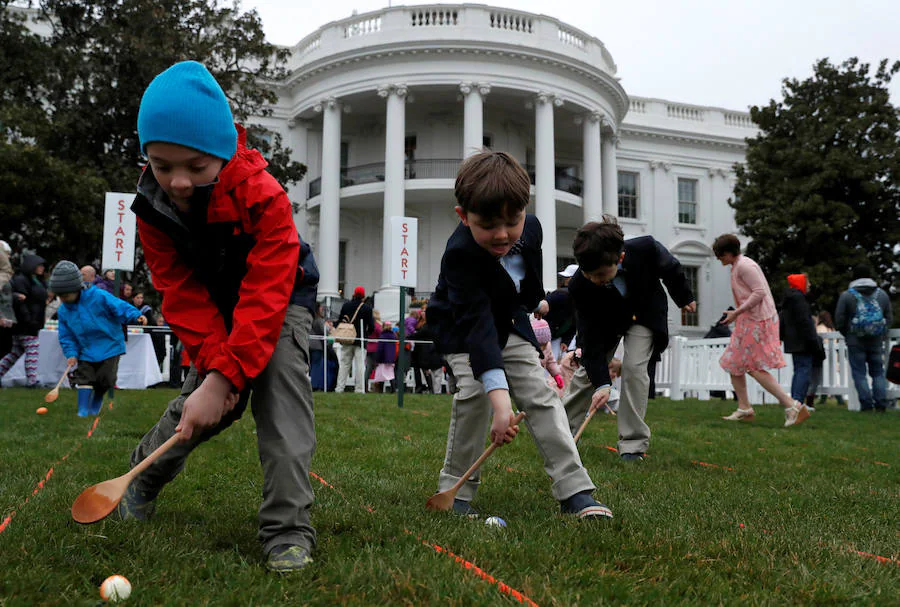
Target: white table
point(138, 368)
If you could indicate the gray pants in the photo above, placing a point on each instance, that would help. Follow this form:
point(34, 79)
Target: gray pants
point(470, 423)
point(634, 434)
point(282, 405)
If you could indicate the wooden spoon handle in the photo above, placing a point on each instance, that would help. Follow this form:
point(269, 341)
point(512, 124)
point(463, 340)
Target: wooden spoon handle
point(483, 457)
point(152, 457)
point(584, 425)
point(66, 372)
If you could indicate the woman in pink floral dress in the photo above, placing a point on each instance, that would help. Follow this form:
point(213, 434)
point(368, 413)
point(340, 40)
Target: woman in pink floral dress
point(755, 345)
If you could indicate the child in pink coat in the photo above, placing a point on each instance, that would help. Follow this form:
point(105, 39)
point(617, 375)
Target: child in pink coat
point(542, 332)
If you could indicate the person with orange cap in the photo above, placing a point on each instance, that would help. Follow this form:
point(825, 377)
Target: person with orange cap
point(359, 314)
point(798, 333)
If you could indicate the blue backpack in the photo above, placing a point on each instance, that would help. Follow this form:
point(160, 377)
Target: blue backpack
point(868, 320)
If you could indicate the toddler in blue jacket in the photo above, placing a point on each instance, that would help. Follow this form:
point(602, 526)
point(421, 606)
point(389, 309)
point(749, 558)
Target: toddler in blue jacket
point(90, 334)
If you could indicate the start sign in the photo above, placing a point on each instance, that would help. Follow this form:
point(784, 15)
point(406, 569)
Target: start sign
point(404, 250)
point(118, 232)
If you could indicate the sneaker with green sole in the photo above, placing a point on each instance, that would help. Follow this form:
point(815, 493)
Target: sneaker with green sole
point(286, 558)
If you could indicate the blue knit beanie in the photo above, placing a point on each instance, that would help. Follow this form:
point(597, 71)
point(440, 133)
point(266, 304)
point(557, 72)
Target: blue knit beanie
point(185, 105)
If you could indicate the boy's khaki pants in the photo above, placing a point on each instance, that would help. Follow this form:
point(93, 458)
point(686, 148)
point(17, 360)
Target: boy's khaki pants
point(282, 405)
point(634, 433)
point(546, 421)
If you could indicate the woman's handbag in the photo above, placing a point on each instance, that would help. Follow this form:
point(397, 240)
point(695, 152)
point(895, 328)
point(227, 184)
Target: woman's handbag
point(345, 332)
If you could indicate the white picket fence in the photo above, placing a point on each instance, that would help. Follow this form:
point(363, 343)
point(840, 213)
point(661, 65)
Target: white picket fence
point(690, 368)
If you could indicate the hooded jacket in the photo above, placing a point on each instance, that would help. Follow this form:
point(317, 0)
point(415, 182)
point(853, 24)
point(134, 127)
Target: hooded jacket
point(228, 269)
point(846, 308)
point(91, 328)
point(30, 311)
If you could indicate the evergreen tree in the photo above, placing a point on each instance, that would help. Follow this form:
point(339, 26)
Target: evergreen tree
point(820, 189)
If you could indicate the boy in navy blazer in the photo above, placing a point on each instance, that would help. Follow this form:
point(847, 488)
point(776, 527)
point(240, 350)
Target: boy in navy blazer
point(618, 294)
point(489, 282)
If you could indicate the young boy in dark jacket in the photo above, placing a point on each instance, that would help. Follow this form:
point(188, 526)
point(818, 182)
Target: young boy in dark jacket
point(239, 289)
point(490, 280)
point(618, 295)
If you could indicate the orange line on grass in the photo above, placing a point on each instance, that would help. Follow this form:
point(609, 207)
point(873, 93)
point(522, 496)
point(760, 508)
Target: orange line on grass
point(502, 586)
point(6, 522)
point(706, 465)
point(881, 559)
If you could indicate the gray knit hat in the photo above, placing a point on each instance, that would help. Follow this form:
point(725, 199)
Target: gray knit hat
point(66, 278)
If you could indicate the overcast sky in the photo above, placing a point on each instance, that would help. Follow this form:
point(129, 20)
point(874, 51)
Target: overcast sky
point(726, 53)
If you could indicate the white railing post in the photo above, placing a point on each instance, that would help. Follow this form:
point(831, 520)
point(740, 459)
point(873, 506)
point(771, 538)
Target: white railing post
point(676, 369)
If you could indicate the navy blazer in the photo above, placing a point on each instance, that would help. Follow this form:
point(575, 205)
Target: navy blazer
point(604, 316)
point(475, 305)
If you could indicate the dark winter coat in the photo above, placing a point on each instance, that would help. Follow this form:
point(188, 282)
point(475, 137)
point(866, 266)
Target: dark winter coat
point(364, 322)
point(425, 354)
point(797, 329)
point(30, 311)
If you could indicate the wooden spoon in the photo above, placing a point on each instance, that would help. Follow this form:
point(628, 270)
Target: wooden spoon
point(584, 424)
point(53, 394)
point(98, 501)
point(444, 499)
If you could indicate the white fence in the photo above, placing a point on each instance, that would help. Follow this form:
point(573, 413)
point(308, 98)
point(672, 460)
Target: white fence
point(690, 367)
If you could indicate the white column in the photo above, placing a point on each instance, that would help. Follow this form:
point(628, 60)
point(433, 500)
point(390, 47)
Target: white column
point(298, 131)
point(610, 175)
point(545, 181)
point(592, 197)
point(330, 200)
point(473, 116)
point(394, 174)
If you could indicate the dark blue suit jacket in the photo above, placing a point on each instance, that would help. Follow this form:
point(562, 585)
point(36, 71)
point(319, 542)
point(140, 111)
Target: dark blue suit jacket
point(475, 305)
point(604, 316)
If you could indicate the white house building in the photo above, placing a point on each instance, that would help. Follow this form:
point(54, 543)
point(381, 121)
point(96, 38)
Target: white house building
point(382, 107)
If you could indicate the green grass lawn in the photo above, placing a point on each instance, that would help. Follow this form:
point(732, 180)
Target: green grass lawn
point(775, 518)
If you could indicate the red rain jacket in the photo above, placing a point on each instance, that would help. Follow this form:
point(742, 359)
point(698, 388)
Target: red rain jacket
point(256, 206)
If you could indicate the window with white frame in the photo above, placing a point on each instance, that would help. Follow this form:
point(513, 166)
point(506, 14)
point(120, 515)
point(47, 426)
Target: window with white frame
point(629, 192)
point(687, 200)
point(692, 319)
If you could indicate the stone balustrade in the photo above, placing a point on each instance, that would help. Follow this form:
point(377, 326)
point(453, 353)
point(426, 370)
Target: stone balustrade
point(453, 24)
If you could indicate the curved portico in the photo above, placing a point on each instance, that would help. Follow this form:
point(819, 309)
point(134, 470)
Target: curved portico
point(471, 60)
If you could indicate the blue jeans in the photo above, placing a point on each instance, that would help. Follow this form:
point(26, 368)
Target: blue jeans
point(802, 372)
point(870, 351)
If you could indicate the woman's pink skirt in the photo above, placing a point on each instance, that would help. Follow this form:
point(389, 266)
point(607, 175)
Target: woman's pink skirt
point(384, 372)
point(755, 346)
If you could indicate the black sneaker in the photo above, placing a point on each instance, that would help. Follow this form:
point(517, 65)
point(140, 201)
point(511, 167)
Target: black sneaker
point(583, 505)
point(286, 558)
point(136, 505)
point(632, 457)
point(463, 508)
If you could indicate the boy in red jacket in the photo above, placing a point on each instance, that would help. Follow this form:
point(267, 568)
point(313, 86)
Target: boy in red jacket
point(239, 289)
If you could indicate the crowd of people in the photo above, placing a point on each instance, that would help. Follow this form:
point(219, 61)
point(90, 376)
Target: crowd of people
point(239, 289)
